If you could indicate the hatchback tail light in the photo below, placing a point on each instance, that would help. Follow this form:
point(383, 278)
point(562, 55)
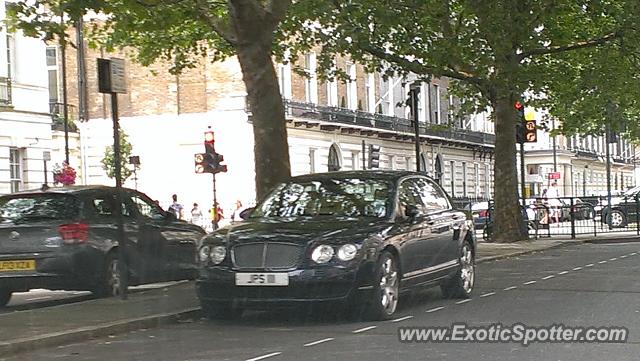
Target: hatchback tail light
point(74, 233)
point(483, 213)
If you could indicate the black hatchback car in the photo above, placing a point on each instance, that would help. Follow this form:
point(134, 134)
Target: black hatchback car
point(65, 238)
point(357, 238)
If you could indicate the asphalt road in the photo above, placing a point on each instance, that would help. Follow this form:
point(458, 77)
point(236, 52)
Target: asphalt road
point(583, 285)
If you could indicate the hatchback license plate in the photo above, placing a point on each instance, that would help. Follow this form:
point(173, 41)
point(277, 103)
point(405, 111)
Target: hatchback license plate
point(262, 279)
point(18, 265)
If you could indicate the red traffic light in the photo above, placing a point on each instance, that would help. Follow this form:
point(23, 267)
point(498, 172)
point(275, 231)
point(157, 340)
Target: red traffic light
point(518, 105)
point(208, 137)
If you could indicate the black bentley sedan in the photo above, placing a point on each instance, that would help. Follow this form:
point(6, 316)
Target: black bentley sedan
point(65, 238)
point(356, 238)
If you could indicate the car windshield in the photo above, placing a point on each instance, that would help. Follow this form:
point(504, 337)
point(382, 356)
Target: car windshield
point(631, 192)
point(338, 197)
point(39, 207)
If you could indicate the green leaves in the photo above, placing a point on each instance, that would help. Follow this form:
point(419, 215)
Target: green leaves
point(109, 162)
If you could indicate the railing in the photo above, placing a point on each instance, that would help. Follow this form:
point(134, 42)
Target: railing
point(5, 91)
point(380, 121)
point(57, 115)
point(572, 216)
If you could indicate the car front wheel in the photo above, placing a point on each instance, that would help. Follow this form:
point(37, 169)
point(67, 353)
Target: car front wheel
point(5, 296)
point(461, 285)
point(617, 219)
point(386, 288)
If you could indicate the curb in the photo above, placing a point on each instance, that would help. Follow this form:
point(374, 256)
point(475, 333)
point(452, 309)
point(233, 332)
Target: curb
point(84, 333)
point(519, 253)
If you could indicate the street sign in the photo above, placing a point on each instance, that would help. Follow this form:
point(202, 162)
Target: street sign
point(118, 78)
point(46, 155)
point(554, 175)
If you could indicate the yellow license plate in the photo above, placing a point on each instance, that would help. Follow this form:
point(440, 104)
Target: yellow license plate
point(18, 265)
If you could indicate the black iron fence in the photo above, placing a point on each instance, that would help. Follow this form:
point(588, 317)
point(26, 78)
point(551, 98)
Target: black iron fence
point(564, 216)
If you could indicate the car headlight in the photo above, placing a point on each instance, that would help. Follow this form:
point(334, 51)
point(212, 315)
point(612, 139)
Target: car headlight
point(204, 253)
point(218, 253)
point(347, 252)
point(322, 254)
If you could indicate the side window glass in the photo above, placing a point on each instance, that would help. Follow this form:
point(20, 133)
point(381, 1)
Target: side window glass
point(146, 208)
point(409, 194)
point(431, 197)
point(103, 206)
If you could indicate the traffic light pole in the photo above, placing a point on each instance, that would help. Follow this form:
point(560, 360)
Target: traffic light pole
point(214, 222)
point(123, 270)
point(608, 155)
point(522, 170)
point(416, 126)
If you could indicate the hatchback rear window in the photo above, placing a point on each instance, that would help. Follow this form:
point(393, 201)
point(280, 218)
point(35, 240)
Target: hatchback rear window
point(29, 208)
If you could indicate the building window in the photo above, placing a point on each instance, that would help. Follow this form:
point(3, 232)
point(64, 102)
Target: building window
point(437, 94)
point(422, 103)
point(332, 88)
point(284, 80)
point(476, 179)
point(487, 175)
point(370, 92)
point(453, 178)
point(334, 163)
point(11, 64)
point(352, 90)
point(464, 179)
point(311, 82)
point(312, 160)
point(15, 169)
point(52, 68)
point(387, 86)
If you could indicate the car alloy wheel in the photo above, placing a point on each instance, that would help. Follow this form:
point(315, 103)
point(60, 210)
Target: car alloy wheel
point(617, 219)
point(113, 277)
point(389, 286)
point(461, 285)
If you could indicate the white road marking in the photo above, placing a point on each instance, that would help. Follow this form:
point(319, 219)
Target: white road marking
point(510, 288)
point(529, 283)
point(563, 272)
point(613, 259)
point(402, 319)
point(463, 301)
point(38, 298)
point(318, 342)
point(589, 265)
point(364, 329)
point(264, 356)
point(435, 309)
point(577, 268)
point(548, 277)
point(623, 256)
point(488, 294)
point(602, 262)
point(633, 254)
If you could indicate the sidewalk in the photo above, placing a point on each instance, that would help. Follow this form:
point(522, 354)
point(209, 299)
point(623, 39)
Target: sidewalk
point(50, 326)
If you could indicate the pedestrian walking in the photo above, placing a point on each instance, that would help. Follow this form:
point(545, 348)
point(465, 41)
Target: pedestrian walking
point(176, 208)
point(216, 214)
point(236, 213)
point(196, 215)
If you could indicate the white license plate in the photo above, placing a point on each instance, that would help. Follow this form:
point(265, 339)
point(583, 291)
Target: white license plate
point(262, 279)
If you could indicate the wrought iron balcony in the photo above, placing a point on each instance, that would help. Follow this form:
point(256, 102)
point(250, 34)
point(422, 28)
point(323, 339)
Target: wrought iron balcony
point(57, 115)
point(382, 122)
point(5, 91)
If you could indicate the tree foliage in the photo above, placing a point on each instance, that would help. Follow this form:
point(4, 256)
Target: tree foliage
point(183, 33)
point(109, 161)
point(556, 54)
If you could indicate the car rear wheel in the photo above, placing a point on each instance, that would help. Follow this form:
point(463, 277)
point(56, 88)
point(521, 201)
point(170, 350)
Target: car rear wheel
point(461, 285)
point(109, 282)
point(386, 288)
point(220, 311)
point(5, 296)
point(618, 219)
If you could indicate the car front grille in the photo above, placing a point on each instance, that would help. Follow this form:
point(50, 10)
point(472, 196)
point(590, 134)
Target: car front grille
point(267, 255)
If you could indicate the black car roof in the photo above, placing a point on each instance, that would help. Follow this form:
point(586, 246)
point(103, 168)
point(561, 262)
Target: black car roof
point(372, 174)
point(64, 190)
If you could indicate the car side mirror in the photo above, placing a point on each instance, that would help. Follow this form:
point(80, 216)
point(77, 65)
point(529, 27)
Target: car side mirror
point(412, 212)
point(246, 213)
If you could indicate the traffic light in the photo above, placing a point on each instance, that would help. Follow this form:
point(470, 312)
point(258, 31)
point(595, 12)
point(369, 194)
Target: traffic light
point(520, 120)
point(526, 129)
point(209, 161)
point(374, 156)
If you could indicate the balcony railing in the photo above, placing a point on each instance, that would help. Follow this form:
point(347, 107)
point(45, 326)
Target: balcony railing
point(5, 91)
point(383, 122)
point(57, 115)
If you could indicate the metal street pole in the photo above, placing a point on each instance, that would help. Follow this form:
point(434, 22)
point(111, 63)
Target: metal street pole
point(65, 110)
point(364, 161)
point(123, 268)
point(608, 135)
point(414, 91)
point(215, 204)
point(553, 139)
point(522, 178)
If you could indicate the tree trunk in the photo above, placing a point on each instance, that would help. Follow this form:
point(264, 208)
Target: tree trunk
point(271, 149)
point(508, 220)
